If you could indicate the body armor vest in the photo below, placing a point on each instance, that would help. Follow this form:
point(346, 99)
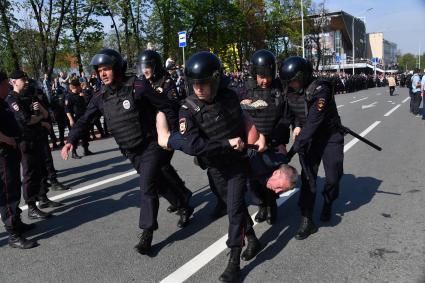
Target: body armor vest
point(266, 119)
point(123, 116)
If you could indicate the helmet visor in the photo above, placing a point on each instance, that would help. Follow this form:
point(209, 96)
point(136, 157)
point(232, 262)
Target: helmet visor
point(102, 59)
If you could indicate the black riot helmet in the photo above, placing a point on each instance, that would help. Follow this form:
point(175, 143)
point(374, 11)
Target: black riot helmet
point(263, 63)
point(296, 68)
point(150, 59)
point(202, 68)
point(110, 57)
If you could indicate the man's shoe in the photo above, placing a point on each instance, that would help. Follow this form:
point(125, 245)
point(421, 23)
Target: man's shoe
point(18, 241)
point(45, 203)
point(233, 269)
point(35, 213)
point(219, 211)
point(172, 209)
point(58, 186)
point(326, 214)
point(74, 155)
point(272, 213)
point(252, 249)
point(185, 214)
point(261, 214)
point(22, 227)
point(307, 228)
point(145, 243)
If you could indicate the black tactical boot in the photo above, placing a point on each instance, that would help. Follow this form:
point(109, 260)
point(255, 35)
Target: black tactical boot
point(22, 227)
point(172, 208)
point(145, 243)
point(44, 202)
point(326, 214)
point(253, 247)
point(185, 214)
point(233, 269)
point(261, 214)
point(306, 228)
point(87, 152)
point(75, 155)
point(35, 213)
point(58, 186)
point(272, 213)
point(220, 210)
point(16, 240)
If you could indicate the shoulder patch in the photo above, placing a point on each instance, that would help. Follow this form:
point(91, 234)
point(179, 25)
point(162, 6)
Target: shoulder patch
point(320, 105)
point(185, 107)
point(182, 126)
point(15, 106)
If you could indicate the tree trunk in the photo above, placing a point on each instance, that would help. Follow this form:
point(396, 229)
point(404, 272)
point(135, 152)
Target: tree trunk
point(116, 29)
point(10, 41)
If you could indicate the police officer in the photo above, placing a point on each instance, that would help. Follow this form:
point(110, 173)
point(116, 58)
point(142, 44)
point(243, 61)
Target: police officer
point(58, 109)
point(10, 177)
point(269, 121)
point(320, 139)
point(75, 108)
point(210, 121)
point(149, 67)
point(129, 105)
point(29, 113)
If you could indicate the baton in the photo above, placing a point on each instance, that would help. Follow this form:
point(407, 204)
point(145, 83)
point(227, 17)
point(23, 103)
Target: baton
point(366, 141)
point(304, 167)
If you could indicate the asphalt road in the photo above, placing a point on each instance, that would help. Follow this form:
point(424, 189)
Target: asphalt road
point(376, 233)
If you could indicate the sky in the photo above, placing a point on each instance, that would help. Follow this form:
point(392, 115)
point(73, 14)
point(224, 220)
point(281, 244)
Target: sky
point(401, 21)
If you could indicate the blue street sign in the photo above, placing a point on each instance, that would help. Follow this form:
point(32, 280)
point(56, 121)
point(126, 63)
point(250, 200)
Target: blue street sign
point(182, 39)
point(338, 58)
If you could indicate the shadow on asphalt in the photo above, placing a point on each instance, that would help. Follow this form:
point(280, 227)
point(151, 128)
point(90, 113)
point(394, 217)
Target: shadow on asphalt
point(355, 192)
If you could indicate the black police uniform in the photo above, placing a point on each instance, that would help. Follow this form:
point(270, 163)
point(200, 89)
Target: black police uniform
point(272, 123)
point(76, 106)
point(130, 112)
point(179, 195)
point(206, 128)
point(320, 139)
point(10, 182)
point(32, 147)
point(58, 108)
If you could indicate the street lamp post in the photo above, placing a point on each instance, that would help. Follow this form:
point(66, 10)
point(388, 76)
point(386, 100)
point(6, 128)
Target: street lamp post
point(302, 28)
point(352, 30)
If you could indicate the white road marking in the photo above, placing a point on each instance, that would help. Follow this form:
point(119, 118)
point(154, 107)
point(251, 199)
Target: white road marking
point(351, 143)
point(339, 106)
point(203, 258)
point(392, 110)
point(358, 100)
point(369, 105)
point(199, 261)
point(88, 187)
point(407, 98)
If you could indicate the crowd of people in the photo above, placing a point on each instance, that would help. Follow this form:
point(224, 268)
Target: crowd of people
point(236, 125)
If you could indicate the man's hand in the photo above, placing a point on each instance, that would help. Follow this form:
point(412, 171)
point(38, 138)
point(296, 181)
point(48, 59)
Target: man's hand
point(296, 132)
point(237, 143)
point(46, 125)
point(65, 151)
point(246, 101)
point(281, 149)
point(262, 143)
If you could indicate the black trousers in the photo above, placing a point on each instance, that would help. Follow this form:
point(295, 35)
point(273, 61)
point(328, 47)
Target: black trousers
point(10, 187)
point(331, 151)
point(62, 122)
point(233, 178)
point(148, 163)
point(85, 138)
point(48, 170)
point(172, 187)
point(415, 102)
point(33, 168)
point(392, 88)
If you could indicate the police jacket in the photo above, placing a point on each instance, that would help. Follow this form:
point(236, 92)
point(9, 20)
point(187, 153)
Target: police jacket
point(207, 127)
point(21, 107)
point(165, 85)
point(322, 119)
point(75, 105)
point(130, 111)
point(8, 126)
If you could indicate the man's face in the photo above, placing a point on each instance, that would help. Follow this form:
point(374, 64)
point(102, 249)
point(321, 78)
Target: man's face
point(279, 181)
point(295, 85)
point(19, 85)
point(203, 91)
point(148, 72)
point(106, 74)
point(4, 87)
point(264, 81)
point(74, 89)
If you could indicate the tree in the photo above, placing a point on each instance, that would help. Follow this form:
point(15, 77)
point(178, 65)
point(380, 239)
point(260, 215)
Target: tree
point(5, 28)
